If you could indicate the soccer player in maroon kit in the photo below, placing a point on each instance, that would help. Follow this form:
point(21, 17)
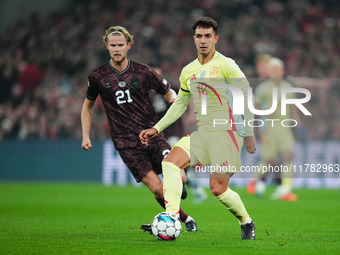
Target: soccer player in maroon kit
point(123, 86)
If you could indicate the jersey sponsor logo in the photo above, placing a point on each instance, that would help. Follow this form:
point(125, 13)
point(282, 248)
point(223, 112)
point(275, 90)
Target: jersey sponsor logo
point(226, 163)
point(214, 72)
point(165, 81)
point(135, 83)
point(193, 78)
point(107, 85)
point(122, 84)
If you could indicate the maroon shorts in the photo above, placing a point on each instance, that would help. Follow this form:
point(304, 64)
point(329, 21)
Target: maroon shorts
point(142, 159)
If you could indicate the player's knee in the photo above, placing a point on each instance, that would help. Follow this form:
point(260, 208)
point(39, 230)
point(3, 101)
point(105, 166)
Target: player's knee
point(178, 157)
point(169, 163)
point(218, 188)
point(217, 191)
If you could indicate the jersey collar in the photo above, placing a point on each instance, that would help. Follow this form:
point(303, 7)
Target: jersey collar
point(114, 69)
point(214, 56)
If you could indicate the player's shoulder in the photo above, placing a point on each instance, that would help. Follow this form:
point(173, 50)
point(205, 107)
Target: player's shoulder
point(192, 65)
point(99, 71)
point(222, 58)
point(226, 63)
point(189, 69)
point(139, 66)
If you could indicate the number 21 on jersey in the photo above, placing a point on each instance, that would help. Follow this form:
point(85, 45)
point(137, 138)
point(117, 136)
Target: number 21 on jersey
point(123, 97)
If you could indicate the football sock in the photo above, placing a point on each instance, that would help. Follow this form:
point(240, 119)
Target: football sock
point(189, 218)
point(246, 222)
point(234, 204)
point(183, 216)
point(277, 178)
point(172, 186)
point(287, 177)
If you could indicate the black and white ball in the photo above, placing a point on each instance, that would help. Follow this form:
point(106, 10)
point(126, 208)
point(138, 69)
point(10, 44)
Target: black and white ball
point(166, 226)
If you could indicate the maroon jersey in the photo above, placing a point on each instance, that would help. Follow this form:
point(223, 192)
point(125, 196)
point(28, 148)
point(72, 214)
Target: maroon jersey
point(125, 97)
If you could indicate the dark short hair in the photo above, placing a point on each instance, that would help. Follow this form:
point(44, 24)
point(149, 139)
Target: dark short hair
point(205, 22)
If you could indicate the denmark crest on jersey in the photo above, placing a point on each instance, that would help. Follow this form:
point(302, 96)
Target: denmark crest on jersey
point(214, 72)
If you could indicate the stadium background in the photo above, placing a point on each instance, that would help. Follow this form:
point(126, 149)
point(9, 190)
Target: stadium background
point(49, 48)
point(52, 197)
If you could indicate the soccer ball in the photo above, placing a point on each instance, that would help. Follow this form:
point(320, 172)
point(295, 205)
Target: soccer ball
point(166, 226)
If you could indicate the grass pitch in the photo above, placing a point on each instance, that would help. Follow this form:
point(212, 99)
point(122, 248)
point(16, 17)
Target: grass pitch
point(40, 218)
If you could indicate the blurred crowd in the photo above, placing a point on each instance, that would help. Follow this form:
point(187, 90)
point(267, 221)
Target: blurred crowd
point(45, 61)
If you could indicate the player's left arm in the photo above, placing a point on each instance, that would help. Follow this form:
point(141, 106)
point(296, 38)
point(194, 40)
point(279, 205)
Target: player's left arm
point(161, 86)
point(249, 140)
point(174, 113)
point(237, 78)
point(170, 96)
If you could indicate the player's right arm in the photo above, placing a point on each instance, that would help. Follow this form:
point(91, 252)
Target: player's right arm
point(175, 111)
point(86, 119)
point(87, 111)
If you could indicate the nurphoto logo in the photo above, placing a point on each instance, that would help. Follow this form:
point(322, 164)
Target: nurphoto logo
point(238, 104)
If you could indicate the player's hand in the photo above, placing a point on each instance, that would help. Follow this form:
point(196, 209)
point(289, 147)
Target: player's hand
point(147, 134)
point(172, 100)
point(86, 144)
point(250, 144)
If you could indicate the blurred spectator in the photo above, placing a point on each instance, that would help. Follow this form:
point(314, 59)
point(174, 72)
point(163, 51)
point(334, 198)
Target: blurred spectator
point(30, 76)
point(8, 77)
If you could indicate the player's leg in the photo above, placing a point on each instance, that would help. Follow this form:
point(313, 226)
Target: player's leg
point(195, 187)
point(219, 186)
point(172, 140)
point(158, 150)
point(286, 147)
point(141, 167)
point(184, 181)
point(172, 178)
point(154, 184)
point(257, 185)
point(224, 150)
point(176, 160)
point(172, 164)
point(287, 177)
point(261, 183)
point(269, 158)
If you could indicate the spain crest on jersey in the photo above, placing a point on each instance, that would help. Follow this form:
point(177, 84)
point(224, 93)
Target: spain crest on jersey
point(214, 72)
